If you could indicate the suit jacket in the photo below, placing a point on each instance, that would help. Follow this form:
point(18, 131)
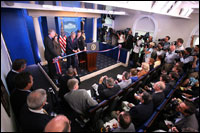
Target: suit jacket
point(33, 122)
point(50, 50)
point(167, 89)
point(129, 42)
point(81, 43)
point(188, 121)
point(18, 100)
point(140, 113)
point(10, 80)
point(105, 93)
point(71, 45)
point(158, 98)
point(80, 101)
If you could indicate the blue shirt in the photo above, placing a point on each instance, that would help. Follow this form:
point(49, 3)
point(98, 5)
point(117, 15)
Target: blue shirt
point(133, 79)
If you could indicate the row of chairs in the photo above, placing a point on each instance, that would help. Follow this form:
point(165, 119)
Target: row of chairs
point(158, 110)
point(107, 106)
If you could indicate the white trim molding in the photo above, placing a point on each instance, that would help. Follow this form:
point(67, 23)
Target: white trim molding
point(150, 17)
point(196, 28)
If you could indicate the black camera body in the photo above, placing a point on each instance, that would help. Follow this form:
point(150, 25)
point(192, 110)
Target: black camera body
point(174, 104)
point(162, 40)
point(174, 43)
point(180, 51)
point(144, 44)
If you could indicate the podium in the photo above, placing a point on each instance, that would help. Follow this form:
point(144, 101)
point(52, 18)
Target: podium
point(92, 57)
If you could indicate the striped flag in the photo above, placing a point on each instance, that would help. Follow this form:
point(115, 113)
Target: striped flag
point(62, 41)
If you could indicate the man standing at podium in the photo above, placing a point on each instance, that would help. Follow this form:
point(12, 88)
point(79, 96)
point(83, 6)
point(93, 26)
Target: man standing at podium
point(71, 48)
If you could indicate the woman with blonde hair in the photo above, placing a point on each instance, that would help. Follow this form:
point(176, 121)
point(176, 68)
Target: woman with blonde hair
point(145, 69)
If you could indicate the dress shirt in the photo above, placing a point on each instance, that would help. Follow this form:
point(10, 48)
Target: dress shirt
point(180, 48)
point(41, 111)
point(124, 83)
point(170, 57)
point(15, 71)
point(187, 60)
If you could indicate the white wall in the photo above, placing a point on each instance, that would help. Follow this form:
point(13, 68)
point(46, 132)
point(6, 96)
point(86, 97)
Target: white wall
point(7, 123)
point(174, 27)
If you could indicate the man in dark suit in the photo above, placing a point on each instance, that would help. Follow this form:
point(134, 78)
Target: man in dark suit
point(108, 89)
point(72, 47)
point(189, 120)
point(63, 82)
point(141, 112)
point(50, 52)
point(129, 40)
point(33, 117)
point(158, 95)
point(18, 66)
point(24, 82)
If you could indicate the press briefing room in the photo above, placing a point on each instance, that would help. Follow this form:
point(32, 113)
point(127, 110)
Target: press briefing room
point(99, 66)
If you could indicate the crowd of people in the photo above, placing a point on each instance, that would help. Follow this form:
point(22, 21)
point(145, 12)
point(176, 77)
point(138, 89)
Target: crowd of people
point(31, 108)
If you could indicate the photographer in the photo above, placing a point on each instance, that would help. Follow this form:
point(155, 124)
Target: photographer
point(186, 58)
point(160, 51)
point(166, 42)
point(121, 38)
point(179, 44)
point(136, 51)
point(129, 40)
point(148, 51)
point(171, 55)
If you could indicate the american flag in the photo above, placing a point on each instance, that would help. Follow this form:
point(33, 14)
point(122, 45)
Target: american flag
point(62, 41)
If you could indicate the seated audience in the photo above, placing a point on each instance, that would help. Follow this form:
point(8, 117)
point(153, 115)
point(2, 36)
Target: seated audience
point(151, 63)
point(145, 69)
point(78, 99)
point(179, 64)
point(141, 112)
point(177, 70)
point(108, 89)
point(126, 80)
point(18, 66)
point(173, 78)
point(158, 61)
point(125, 124)
point(33, 116)
point(71, 73)
point(165, 79)
point(188, 119)
point(24, 82)
point(60, 123)
point(158, 95)
point(133, 74)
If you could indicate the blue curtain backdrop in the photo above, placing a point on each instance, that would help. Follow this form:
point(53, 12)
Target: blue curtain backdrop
point(15, 33)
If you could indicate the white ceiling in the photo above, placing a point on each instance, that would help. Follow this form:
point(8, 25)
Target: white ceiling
point(182, 9)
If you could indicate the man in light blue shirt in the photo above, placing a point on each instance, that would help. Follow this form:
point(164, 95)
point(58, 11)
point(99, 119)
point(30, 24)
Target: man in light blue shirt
point(171, 55)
